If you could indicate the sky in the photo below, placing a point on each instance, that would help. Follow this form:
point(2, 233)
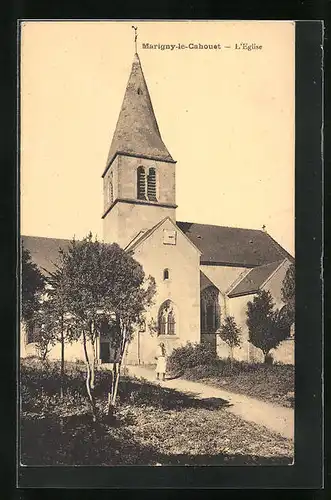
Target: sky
point(226, 116)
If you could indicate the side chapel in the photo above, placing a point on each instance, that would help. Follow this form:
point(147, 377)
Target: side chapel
point(203, 272)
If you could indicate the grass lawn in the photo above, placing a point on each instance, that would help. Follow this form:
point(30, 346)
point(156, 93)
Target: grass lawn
point(153, 425)
point(270, 383)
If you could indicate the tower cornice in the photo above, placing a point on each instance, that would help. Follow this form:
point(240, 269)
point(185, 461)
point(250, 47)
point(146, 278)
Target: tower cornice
point(138, 202)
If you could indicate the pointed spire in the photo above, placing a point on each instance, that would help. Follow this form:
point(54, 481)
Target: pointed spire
point(135, 39)
point(137, 131)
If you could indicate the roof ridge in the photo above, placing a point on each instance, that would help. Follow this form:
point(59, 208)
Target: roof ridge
point(239, 278)
point(255, 284)
point(281, 263)
point(279, 247)
point(216, 225)
point(45, 237)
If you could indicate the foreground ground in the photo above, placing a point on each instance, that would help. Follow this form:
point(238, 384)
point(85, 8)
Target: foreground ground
point(153, 425)
point(270, 383)
point(273, 417)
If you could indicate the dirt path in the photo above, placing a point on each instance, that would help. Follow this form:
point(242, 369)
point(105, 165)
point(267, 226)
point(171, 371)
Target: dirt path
point(275, 418)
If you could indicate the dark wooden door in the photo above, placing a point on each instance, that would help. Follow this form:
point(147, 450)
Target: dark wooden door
point(105, 352)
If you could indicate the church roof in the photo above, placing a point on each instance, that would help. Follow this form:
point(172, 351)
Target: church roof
point(217, 244)
point(233, 246)
point(254, 280)
point(137, 132)
point(44, 251)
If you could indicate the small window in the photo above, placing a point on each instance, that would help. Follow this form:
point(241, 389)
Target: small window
point(166, 274)
point(139, 91)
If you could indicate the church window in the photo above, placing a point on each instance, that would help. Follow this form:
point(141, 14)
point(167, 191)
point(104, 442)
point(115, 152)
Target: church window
point(210, 310)
point(110, 189)
point(210, 317)
point(166, 274)
point(171, 323)
point(139, 91)
point(151, 184)
point(167, 319)
point(141, 183)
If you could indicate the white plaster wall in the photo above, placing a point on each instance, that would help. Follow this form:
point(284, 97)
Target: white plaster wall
point(275, 283)
point(223, 276)
point(284, 352)
point(237, 307)
point(183, 288)
point(72, 352)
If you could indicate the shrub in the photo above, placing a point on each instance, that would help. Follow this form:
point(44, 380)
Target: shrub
point(191, 355)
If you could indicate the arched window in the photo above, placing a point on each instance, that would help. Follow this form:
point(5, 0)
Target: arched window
point(167, 319)
point(151, 184)
point(166, 274)
point(171, 323)
point(210, 310)
point(141, 183)
point(110, 189)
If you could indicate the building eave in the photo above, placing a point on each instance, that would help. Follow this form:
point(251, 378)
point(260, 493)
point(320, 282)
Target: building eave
point(228, 264)
point(138, 202)
point(242, 294)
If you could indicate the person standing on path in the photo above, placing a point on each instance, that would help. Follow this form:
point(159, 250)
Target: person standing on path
point(161, 362)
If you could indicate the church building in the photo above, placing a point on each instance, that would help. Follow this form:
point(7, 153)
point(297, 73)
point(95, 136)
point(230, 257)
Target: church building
point(203, 272)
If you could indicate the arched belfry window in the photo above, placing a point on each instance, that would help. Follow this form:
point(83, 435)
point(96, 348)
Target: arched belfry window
point(110, 189)
point(151, 184)
point(141, 183)
point(167, 319)
point(166, 274)
point(146, 185)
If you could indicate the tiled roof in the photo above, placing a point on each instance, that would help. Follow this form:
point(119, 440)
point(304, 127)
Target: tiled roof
point(219, 245)
point(252, 281)
point(233, 246)
point(137, 131)
point(44, 251)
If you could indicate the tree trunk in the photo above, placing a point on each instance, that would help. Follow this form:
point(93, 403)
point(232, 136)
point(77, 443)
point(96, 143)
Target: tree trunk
point(92, 331)
point(110, 393)
point(267, 358)
point(118, 371)
point(115, 383)
point(88, 380)
point(62, 358)
point(93, 369)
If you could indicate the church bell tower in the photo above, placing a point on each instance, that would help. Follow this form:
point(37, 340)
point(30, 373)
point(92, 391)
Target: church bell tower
point(139, 178)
